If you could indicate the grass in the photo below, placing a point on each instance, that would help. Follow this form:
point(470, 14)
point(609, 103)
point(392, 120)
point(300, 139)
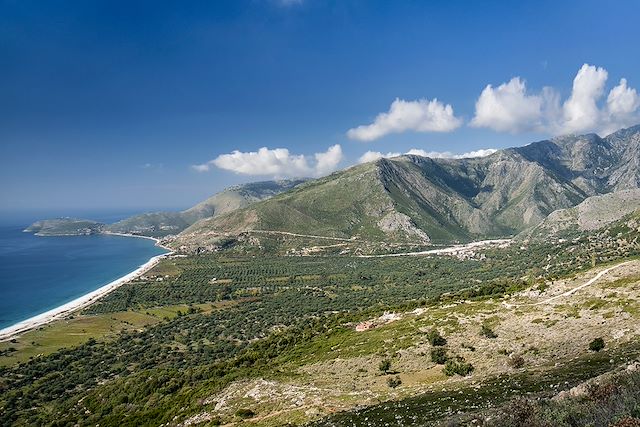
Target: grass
point(78, 329)
point(434, 406)
point(72, 332)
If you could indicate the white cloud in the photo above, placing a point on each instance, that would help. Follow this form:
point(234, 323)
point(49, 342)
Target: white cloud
point(623, 107)
point(277, 162)
point(328, 161)
point(510, 108)
point(371, 156)
point(420, 116)
point(201, 168)
point(581, 111)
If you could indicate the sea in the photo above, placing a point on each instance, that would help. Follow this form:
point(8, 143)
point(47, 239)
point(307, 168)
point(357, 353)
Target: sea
point(38, 274)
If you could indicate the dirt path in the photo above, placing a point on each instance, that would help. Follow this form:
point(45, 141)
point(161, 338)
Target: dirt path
point(310, 236)
point(589, 282)
point(584, 285)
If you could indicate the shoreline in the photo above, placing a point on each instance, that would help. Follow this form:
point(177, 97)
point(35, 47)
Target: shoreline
point(155, 239)
point(83, 301)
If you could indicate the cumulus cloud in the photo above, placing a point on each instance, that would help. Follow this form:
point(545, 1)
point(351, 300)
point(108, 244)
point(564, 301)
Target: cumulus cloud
point(420, 116)
point(581, 111)
point(371, 156)
point(623, 107)
point(511, 108)
point(277, 162)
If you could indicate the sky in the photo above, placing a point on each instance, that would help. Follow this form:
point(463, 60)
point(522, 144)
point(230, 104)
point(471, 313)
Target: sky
point(142, 105)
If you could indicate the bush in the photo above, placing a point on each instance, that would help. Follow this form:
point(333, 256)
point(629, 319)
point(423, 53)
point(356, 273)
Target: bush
point(245, 413)
point(516, 361)
point(487, 332)
point(596, 345)
point(394, 382)
point(385, 365)
point(435, 339)
point(439, 355)
point(457, 366)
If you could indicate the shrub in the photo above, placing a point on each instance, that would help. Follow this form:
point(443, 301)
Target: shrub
point(487, 332)
point(385, 365)
point(439, 355)
point(457, 366)
point(245, 413)
point(516, 361)
point(435, 339)
point(394, 382)
point(468, 347)
point(596, 345)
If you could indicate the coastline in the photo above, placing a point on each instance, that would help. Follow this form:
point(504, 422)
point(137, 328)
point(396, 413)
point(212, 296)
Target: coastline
point(83, 301)
point(155, 239)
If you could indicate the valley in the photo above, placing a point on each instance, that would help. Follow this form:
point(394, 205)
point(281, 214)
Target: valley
point(405, 291)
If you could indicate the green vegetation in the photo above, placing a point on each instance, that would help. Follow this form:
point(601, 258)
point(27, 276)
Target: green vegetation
point(613, 401)
point(435, 339)
point(457, 366)
point(245, 413)
point(439, 355)
point(436, 407)
point(394, 382)
point(596, 345)
point(487, 332)
point(162, 224)
point(384, 366)
point(215, 319)
point(65, 227)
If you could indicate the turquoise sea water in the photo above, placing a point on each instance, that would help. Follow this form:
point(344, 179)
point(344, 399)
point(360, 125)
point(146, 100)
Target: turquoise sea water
point(38, 274)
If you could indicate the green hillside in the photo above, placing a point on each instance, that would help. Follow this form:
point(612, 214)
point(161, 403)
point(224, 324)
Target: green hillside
point(413, 200)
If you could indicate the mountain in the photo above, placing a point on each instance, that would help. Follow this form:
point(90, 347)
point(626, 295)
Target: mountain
point(65, 227)
point(418, 200)
point(161, 224)
point(593, 213)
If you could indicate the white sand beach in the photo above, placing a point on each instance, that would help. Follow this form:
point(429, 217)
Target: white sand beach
point(81, 302)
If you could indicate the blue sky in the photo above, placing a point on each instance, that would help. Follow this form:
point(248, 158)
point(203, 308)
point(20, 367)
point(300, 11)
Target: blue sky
point(141, 105)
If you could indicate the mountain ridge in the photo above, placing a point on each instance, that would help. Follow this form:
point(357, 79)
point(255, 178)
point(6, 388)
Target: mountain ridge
point(161, 224)
point(419, 200)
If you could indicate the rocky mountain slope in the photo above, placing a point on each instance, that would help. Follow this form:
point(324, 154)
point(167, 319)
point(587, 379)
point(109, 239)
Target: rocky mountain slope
point(592, 214)
point(419, 200)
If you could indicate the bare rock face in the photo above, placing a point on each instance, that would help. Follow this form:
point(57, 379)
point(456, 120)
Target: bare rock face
point(593, 213)
point(396, 222)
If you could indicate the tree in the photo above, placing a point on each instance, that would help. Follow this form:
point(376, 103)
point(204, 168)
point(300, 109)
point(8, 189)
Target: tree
point(439, 355)
point(457, 366)
point(384, 366)
point(435, 339)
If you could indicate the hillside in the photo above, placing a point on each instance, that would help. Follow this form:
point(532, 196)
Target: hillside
point(417, 200)
point(592, 214)
point(161, 224)
point(65, 227)
point(230, 339)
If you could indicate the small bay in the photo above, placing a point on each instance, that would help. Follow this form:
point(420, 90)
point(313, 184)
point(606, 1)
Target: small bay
point(38, 274)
